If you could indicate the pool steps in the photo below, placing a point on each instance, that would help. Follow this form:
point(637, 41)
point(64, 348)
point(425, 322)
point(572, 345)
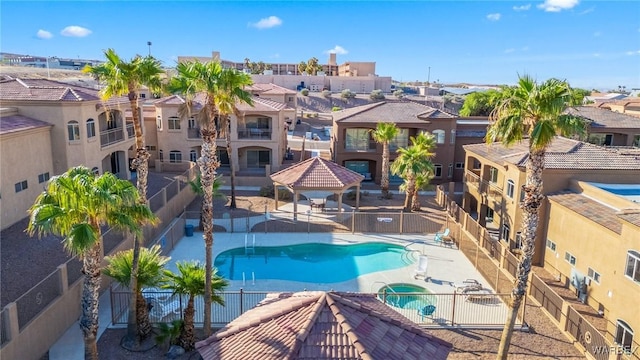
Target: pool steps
point(249, 248)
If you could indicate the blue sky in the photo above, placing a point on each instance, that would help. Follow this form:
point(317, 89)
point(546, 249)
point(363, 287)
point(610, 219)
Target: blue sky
point(592, 44)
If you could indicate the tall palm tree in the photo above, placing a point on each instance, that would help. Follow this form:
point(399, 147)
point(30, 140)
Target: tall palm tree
point(75, 206)
point(230, 91)
point(190, 281)
point(196, 187)
point(383, 134)
point(127, 78)
point(534, 112)
point(203, 80)
point(410, 163)
point(150, 266)
point(422, 180)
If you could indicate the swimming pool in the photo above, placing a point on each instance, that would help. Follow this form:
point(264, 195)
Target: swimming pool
point(312, 262)
point(407, 296)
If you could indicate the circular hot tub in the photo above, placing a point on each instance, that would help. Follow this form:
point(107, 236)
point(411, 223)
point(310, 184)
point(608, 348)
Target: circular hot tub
point(406, 296)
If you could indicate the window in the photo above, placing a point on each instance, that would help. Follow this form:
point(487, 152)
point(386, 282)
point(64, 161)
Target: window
point(400, 141)
point(73, 129)
point(112, 120)
point(569, 258)
point(450, 171)
point(290, 98)
point(23, 185)
point(43, 177)
point(476, 164)
point(511, 187)
point(437, 170)
point(601, 139)
point(439, 135)
point(460, 165)
point(151, 147)
point(452, 140)
point(493, 175)
point(361, 167)
point(624, 334)
point(636, 141)
point(192, 123)
point(633, 265)
point(159, 123)
point(91, 128)
point(175, 156)
point(258, 123)
point(193, 156)
point(95, 171)
point(489, 217)
point(551, 245)
point(258, 158)
point(359, 140)
point(161, 155)
point(593, 275)
point(506, 232)
point(519, 240)
point(142, 96)
point(174, 123)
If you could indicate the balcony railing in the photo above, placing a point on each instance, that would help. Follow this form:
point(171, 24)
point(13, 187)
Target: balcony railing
point(484, 187)
point(193, 133)
point(369, 146)
point(111, 136)
point(253, 133)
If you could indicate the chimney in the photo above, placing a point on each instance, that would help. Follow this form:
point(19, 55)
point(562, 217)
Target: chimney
point(332, 59)
point(215, 55)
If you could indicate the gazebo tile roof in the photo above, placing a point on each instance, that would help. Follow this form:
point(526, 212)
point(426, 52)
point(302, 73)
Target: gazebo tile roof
point(317, 173)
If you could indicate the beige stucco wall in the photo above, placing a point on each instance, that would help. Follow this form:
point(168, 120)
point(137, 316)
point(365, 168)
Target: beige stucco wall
point(23, 155)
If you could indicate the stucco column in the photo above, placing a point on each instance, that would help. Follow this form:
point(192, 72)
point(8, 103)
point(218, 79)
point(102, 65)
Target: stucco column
point(275, 190)
point(340, 202)
point(295, 204)
point(357, 196)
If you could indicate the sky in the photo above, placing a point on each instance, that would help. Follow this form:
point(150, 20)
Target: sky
point(591, 44)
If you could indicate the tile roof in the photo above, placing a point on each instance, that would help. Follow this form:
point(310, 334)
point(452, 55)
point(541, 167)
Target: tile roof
point(317, 173)
point(45, 90)
point(269, 88)
point(15, 123)
point(400, 112)
point(562, 153)
point(319, 325)
point(589, 208)
point(604, 118)
point(632, 216)
point(259, 104)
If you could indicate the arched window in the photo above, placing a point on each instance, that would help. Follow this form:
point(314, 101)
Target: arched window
point(95, 170)
point(175, 156)
point(624, 334)
point(174, 123)
point(73, 128)
point(159, 122)
point(193, 155)
point(439, 134)
point(91, 128)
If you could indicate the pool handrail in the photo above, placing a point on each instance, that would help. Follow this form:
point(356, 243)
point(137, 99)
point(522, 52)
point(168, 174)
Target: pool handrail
point(388, 287)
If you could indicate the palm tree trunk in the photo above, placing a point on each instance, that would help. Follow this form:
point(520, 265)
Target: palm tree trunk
point(384, 180)
point(142, 316)
point(415, 201)
point(207, 163)
point(411, 187)
point(89, 301)
point(141, 164)
point(533, 198)
point(187, 335)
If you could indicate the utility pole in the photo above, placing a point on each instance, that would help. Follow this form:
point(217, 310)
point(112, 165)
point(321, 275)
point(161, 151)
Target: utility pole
point(149, 44)
point(426, 100)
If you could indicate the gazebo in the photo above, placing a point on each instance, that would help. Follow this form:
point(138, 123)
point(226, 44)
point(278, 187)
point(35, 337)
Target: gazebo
point(316, 174)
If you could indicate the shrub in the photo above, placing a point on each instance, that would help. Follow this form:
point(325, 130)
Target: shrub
point(336, 108)
point(326, 94)
point(398, 93)
point(351, 195)
point(347, 94)
point(268, 191)
point(376, 95)
point(304, 92)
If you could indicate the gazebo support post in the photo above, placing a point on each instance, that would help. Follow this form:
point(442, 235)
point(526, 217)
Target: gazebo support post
point(295, 205)
point(340, 205)
point(275, 190)
point(357, 197)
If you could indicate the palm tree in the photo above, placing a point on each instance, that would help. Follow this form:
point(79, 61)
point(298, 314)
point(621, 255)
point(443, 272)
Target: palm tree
point(190, 281)
point(126, 78)
point(196, 187)
point(230, 91)
point(535, 112)
point(411, 162)
point(150, 274)
point(75, 206)
point(422, 180)
point(203, 79)
point(383, 134)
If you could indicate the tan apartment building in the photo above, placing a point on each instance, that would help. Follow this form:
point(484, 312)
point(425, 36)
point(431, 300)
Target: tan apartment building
point(352, 144)
point(83, 131)
point(609, 127)
point(357, 68)
point(593, 244)
point(629, 106)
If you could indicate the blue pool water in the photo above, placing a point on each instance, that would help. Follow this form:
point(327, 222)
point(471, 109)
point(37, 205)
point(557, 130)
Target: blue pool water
point(407, 296)
point(315, 263)
point(623, 191)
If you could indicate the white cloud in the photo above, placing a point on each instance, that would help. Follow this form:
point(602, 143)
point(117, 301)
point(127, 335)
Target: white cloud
point(589, 10)
point(337, 50)
point(75, 31)
point(633, 53)
point(509, 51)
point(267, 23)
point(557, 5)
point(44, 34)
point(522, 7)
point(494, 17)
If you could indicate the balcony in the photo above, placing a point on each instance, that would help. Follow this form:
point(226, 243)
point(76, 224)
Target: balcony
point(254, 134)
point(361, 146)
point(111, 136)
point(491, 190)
point(193, 133)
point(131, 133)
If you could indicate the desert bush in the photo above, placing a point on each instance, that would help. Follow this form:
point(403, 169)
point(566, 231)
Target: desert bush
point(398, 93)
point(351, 195)
point(336, 108)
point(268, 191)
point(326, 94)
point(376, 95)
point(304, 92)
point(347, 94)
